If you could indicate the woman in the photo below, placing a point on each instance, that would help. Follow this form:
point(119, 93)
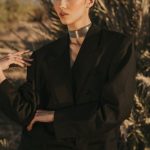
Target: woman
point(79, 88)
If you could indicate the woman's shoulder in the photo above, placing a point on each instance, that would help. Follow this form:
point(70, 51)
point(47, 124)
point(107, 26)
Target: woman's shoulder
point(49, 48)
point(116, 43)
point(115, 36)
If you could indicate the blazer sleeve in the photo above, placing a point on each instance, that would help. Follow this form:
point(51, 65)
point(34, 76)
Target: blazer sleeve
point(114, 105)
point(19, 104)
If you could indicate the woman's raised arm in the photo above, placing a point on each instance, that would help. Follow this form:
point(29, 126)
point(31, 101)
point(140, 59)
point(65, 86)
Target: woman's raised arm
point(19, 105)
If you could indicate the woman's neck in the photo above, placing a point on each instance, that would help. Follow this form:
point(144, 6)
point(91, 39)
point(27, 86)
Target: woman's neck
point(77, 36)
point(79, 24)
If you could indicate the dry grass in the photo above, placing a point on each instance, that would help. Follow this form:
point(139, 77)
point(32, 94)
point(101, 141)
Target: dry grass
point(130, 17)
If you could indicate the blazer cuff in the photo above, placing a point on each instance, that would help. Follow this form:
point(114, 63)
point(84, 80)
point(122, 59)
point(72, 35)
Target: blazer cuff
point(6, 87)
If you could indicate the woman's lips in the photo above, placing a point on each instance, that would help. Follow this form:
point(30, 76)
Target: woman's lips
point(62, 14)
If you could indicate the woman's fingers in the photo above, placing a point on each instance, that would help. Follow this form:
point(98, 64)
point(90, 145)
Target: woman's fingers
point(24, 59)
point(28, 59)
point(19, 60)
point(22, 52)
point(17, 63)
point(34, 120)
point(41, 116)
point(19, 53)
point(30, 126)
point(15, 58)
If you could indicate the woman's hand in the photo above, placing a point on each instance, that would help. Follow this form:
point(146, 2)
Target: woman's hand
point(41, 116)
point(14, 58)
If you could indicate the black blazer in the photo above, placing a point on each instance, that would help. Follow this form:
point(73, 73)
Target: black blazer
point(91, 99)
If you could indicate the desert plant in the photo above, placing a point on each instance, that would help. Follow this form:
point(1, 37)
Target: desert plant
point(131, 17)
point(12, 7)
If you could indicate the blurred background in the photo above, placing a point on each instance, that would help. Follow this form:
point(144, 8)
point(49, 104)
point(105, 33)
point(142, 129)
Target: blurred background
point(32, 23)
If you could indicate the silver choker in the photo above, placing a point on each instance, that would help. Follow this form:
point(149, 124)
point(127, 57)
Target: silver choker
point(80, 32)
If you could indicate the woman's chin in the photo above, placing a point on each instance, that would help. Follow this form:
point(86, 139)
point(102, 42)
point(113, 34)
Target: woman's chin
point(66, 21)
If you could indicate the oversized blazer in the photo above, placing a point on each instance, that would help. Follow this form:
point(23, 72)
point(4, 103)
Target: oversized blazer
point(90, 99)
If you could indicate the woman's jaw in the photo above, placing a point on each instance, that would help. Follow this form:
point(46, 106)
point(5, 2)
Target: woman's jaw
point(75, 24)
point(74, 16)
point(74, 20)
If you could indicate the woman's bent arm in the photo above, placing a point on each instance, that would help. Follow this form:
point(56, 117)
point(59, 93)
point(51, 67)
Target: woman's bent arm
point(19, 105)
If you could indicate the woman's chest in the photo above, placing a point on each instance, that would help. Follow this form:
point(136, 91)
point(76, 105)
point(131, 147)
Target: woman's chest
point(74, 49)
point(88, 78)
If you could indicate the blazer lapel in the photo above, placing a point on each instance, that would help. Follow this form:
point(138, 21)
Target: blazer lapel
point(60, 72)
point(58, 63)
point(87, 55)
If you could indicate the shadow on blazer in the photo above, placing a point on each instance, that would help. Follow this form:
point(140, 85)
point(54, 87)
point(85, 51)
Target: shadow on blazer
point(104, 85)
